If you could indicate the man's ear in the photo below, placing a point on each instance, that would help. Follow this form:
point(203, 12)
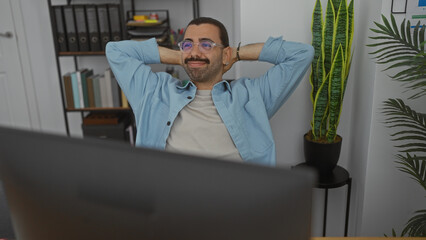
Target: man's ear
point(226, 56)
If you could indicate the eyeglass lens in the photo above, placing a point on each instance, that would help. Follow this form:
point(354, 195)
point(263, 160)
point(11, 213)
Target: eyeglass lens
point(204, 46)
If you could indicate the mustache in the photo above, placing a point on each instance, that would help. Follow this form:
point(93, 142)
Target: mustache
point(197, 59)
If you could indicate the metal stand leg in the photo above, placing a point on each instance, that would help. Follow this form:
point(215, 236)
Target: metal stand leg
point(348, 201)
point(325, 213)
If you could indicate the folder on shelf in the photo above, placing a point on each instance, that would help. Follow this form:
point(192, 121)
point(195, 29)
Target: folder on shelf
point(115, 92)
point(70, 29)
point(80, 19)
point(103, 25)
point(115, 22)
point(60, 29)
point(103, 91)
point(68, 91)
point(92, 25)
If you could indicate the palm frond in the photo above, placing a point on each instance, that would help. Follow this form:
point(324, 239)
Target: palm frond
point(416, 226)
point(401, 48)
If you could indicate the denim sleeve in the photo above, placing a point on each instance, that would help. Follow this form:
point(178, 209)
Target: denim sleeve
point(291, 60)
point(129, 62)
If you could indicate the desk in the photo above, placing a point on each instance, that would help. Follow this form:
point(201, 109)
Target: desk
point(366, 238)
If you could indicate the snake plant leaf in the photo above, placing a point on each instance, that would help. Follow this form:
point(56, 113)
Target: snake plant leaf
point(341, 33)
point(351, 26)
point(335, 91)
point(316, 26)
point(328, 37)
point(320, 109)
point(336, 4)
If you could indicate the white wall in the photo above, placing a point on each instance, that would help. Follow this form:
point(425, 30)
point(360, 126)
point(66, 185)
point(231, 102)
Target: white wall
point(379, 190)
point(391, 197)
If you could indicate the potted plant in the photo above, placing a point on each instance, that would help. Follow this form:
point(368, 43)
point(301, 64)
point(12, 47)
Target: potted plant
point(405, 48)
point(332, 41)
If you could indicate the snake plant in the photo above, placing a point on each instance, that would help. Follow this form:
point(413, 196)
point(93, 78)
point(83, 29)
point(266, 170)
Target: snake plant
point(404, 49)
point(332, 41)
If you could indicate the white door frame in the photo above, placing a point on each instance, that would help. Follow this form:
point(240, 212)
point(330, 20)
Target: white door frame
point(25, 67)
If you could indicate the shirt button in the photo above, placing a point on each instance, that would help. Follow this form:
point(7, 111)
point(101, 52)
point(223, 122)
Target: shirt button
point(168, 123)
point(189, 97)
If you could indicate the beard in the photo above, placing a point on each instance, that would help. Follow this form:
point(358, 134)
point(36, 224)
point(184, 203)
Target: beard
point(205, 73)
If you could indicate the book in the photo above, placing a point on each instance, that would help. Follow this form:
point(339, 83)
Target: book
point(84, 74)
point(96, 90)
point(92, 25)
point(103, 91)
point(124, 101)
point(68, 90)
point(81, 28)
point(108, 88)
point(76, 95)
point(90, 91)
point(115, 92)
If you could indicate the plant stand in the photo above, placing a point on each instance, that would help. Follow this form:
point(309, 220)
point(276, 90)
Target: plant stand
point(339, 178)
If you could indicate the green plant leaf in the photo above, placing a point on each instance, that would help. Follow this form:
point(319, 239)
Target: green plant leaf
point(328, 34)
point(320, 109)
point(416, 226)
point(337, 76)
point(315, 77)
point(394, 26)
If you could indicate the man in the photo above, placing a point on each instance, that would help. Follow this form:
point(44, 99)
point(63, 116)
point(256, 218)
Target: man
point(207, 115)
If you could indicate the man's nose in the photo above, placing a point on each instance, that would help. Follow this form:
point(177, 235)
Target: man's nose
point(195, 50)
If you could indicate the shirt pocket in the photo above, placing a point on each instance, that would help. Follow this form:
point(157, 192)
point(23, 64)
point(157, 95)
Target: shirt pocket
point(257, 128)
point(157, 117)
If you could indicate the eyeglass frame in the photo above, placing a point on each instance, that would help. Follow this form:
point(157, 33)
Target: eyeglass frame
point(198, 45)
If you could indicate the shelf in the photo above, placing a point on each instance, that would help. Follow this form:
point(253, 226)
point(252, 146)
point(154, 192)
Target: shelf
point(97, 109)
point(145, 24)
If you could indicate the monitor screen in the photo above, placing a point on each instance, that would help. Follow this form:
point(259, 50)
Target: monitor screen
point(65, 188)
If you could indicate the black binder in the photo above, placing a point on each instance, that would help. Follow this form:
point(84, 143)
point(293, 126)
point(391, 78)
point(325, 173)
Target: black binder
point(60, 29)
point(70, 29)
point(93, 27)
point(103, 25)
point(115, 23)
point(80, 19)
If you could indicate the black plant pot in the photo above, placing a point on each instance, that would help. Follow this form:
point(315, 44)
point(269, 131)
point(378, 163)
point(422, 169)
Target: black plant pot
point(322, 156)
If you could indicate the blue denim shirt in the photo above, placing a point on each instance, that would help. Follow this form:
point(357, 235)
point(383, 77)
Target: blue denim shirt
point(245, 105)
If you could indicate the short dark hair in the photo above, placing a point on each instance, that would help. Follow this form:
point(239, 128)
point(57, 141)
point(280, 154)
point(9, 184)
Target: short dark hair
point(223, 34)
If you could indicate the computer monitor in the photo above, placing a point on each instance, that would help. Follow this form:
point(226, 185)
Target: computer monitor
point(64, 188)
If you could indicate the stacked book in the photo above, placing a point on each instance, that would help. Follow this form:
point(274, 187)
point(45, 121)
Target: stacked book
point(83, 89)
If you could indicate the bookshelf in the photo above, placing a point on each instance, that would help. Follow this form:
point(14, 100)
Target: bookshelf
point(62, 51)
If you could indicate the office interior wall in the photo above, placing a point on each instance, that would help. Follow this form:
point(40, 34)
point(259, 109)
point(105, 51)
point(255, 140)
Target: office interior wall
point(367, 151)
point(391, 197)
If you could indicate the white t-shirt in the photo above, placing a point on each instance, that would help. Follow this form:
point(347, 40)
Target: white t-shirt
point(199, 130)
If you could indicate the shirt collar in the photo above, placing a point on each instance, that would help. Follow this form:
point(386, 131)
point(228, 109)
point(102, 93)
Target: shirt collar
point(223, 85)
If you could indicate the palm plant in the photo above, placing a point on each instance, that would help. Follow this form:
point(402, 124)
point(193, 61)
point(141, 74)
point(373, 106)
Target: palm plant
point(400, 47)
point(332, 40)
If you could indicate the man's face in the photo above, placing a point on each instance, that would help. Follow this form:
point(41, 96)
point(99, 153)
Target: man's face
point(203, 66)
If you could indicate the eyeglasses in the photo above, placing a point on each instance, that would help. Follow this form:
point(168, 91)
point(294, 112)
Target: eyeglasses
point(204, 46)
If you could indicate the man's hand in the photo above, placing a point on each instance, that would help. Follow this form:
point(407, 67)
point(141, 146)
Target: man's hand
point(248, 52)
